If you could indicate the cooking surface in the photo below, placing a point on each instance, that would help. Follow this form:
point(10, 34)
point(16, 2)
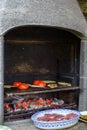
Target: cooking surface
point(16, 91)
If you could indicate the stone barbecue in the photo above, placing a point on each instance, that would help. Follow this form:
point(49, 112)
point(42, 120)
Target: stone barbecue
point(51, 22)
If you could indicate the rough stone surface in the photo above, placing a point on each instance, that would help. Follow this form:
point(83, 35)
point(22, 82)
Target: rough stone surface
point(83, 5)
point(83, 94)
point(30, 126)
point(83, 59)
point(59, 13)
point(1, 81)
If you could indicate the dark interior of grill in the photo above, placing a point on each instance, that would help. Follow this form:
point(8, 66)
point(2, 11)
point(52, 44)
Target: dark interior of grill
point(44, 53)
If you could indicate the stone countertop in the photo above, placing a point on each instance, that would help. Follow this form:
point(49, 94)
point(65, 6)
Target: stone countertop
point(29, 126)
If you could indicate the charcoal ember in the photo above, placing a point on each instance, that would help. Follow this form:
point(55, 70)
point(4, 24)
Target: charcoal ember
point(56, 102)
point(8, 108)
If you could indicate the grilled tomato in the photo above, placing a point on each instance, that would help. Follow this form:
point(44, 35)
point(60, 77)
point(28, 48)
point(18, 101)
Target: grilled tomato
point(42, 84)
point(39, 83)
point(36, 82)
point(17, 83)
point(23, 86)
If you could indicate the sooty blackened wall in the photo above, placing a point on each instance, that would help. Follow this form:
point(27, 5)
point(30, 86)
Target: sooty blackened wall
point(37, 52)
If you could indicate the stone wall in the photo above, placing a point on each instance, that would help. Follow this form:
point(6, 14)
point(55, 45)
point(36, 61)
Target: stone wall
point(57, 13)
point(83, 5)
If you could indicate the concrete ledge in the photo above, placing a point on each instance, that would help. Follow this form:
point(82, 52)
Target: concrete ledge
point(30, 126)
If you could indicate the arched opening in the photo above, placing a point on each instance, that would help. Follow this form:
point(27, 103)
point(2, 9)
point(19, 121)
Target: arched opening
point(44, 53)
point(40, 53)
